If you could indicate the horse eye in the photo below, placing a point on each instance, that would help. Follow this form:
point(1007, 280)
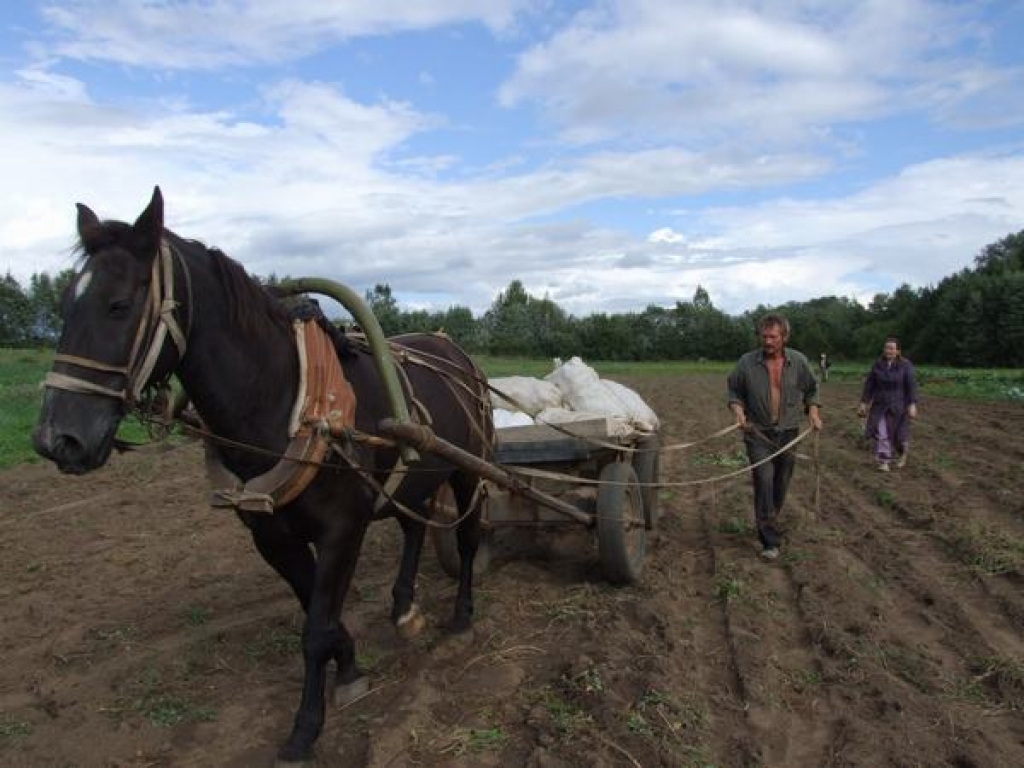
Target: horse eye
point(118, 309)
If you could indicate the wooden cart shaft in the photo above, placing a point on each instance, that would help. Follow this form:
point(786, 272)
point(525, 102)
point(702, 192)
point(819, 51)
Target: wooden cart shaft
point(423, 438)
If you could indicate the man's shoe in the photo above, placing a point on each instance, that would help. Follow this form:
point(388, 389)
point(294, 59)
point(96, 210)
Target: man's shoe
point(770, 553)
point(883, 466)
point(901, 462)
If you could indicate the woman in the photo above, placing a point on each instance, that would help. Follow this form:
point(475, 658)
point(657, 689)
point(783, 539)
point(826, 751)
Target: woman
point(890, 392)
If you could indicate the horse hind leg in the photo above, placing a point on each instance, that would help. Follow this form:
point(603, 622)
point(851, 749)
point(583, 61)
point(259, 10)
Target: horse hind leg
point(464, 485)
point(405, 614)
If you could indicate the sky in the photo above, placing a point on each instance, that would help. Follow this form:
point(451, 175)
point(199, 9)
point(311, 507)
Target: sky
point(609, 155)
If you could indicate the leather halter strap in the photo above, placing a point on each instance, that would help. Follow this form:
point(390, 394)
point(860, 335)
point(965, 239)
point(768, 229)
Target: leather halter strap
point(157, 322)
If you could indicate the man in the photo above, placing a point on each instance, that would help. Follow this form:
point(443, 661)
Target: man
point(823, 366)
point(769, 391)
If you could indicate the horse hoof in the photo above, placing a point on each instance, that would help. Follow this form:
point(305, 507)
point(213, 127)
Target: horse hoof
point(287, 762)
point(411, 624)
point(460, 626)
point(347, 692)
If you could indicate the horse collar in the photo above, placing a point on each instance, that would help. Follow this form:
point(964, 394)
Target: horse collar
point(325, 408)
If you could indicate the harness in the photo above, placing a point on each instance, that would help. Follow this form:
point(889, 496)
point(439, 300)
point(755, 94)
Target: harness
point(157, 322)
point(325, 408)
point(323, 412)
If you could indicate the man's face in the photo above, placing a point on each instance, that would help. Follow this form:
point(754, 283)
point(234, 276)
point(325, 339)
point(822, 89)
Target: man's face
point(772, 340)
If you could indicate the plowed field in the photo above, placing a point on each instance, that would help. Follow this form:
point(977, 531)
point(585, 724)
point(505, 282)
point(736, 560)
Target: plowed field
point(140, 628)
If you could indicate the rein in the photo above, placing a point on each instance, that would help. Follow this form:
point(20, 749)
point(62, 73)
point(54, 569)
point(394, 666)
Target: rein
point(157, 323)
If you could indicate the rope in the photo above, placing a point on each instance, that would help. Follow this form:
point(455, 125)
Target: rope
point(347, 463)
point(547, 474)
point(817, 477)
point(514, 469)
point(400, 507)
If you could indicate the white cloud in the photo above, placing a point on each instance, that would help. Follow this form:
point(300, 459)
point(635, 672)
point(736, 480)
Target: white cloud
point(205, 34)
point(666, 235)
point(729, 103)
point(713, 71)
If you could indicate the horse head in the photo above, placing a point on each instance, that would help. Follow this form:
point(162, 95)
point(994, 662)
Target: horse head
point(112, 342)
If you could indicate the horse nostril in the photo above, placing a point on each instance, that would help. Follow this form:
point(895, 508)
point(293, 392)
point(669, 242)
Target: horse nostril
point(62, 448)
point(42, 441)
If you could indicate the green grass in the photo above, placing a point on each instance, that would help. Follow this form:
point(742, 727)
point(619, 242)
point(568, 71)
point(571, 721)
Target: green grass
point(736, 526)
point(22, 370)
point(973, 384)
point(196, 615)
point(728, 588)
point(148, 695)
point(989, 551)
point(521, 366)
point(275, 642)
point(476, 741)
point(1000, 384)
point(12, 730)
point(21, 374)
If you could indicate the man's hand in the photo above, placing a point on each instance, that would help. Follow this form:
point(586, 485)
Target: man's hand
point(862, 410)
point(741, 416)
point(814, 416)
point(912, 410)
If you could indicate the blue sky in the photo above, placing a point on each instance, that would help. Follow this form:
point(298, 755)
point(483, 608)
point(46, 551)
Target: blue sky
point(610, 155)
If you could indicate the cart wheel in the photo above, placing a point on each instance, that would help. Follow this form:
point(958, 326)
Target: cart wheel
point(446, 542)
point(647, 463)
point(621, 535)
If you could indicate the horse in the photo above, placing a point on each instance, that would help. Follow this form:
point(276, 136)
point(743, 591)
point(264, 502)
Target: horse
point(232, 347)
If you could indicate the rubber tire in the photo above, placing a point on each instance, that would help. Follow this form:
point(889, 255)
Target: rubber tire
point(647, 463)
point(446, 542)
point(622, 545)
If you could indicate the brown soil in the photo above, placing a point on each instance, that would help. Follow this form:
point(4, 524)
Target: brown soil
point(140, 628)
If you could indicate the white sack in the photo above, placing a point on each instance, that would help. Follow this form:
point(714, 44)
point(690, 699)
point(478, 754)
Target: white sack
point(505, 418)
point(583, 390)
point(572, 377)
point(640, 413)
point(525, 394)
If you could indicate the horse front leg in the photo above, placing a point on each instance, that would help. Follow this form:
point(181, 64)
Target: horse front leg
point(290, 556)
point(324, 637)
point(293, 560)
point(405, 614)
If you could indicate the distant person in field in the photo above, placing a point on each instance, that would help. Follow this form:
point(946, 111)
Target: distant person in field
point(889, 400)
point(771, 389)
point(823, 365)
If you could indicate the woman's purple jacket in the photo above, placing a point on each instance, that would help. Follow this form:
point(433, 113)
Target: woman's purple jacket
point(890, 388)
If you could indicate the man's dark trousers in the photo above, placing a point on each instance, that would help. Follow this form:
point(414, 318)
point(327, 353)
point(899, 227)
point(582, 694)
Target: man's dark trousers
point(771, 479)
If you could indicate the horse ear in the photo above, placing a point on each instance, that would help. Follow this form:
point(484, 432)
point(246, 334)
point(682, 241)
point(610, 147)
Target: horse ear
point(89, 227)
point(149, 227)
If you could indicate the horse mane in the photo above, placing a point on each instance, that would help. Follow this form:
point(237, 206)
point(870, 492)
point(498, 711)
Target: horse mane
point(251, 306)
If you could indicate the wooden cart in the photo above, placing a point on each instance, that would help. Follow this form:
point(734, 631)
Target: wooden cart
point(621, 508)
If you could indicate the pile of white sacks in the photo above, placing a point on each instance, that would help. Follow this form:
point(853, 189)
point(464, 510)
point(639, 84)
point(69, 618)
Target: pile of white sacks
point(571, 392)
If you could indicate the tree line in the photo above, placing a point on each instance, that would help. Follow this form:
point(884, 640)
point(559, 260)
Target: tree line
point(972, 318)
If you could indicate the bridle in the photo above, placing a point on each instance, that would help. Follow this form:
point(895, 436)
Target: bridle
point(157, 322)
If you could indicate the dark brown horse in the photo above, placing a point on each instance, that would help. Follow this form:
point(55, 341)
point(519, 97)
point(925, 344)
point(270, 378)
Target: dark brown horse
point(232, 347)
